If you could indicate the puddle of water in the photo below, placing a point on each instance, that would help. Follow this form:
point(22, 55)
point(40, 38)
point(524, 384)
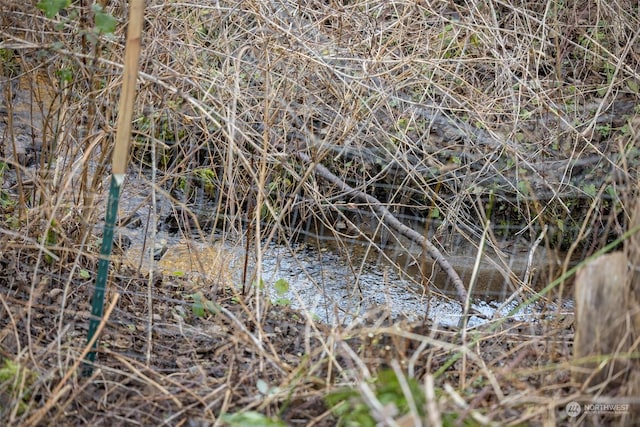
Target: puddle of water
point(330, 287)
point(321, 284)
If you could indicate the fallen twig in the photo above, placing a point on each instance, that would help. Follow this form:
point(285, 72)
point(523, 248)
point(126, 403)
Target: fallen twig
point(390, 220)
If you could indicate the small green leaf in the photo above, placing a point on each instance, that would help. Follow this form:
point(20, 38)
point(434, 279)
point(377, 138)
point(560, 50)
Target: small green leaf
point(281, 286)
point(105, 23)
point(602, 91)
point(402, 124)
point(52, 7)
point(65, 75)
point(523, 187)
point(197, 308)
point(84, 274)
point(211, 307)
point(284, 302)
point(590, 189)
point(201, 306)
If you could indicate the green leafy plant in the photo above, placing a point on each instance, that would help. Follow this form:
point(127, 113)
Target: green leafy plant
point(52, 7)
point(251, 419)
point(65, 75)
point(208, 180)
point(104, 22)
point(282, 287)
point(352, 410)
point(590, 190)
point(604, 130)
point(16, 380)
point(201, 306)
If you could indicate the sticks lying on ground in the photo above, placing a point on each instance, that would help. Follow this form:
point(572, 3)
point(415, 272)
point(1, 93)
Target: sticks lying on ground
point(391, 221)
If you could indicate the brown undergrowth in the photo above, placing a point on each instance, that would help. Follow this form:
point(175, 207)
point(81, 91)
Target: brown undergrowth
point(448, 113)
point(199, 366)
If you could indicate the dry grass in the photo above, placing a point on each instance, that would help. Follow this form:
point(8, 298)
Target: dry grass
point(448, 114)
